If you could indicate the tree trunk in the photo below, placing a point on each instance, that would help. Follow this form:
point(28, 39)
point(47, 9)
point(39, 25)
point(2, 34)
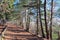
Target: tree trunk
point(58, 35)
point(51, 19)
point(27, 24)
point(27, 21)
point(39, 18)
point(47, 33)
point(37, 23)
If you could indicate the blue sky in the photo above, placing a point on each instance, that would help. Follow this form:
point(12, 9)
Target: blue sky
point(16, 1)
point(56, 1)
point(57, 4)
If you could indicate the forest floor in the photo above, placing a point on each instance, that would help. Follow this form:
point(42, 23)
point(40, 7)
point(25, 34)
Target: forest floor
point(14, 32)
point(17, 32)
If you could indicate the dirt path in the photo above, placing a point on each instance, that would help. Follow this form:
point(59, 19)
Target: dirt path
point(14, 32)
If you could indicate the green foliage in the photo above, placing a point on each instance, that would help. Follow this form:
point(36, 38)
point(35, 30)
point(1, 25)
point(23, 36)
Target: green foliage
point(13, 11)
point(9, 2)
point(55, 36)
point(7, 7)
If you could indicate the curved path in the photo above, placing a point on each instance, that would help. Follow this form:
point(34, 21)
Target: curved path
point(13, 32)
